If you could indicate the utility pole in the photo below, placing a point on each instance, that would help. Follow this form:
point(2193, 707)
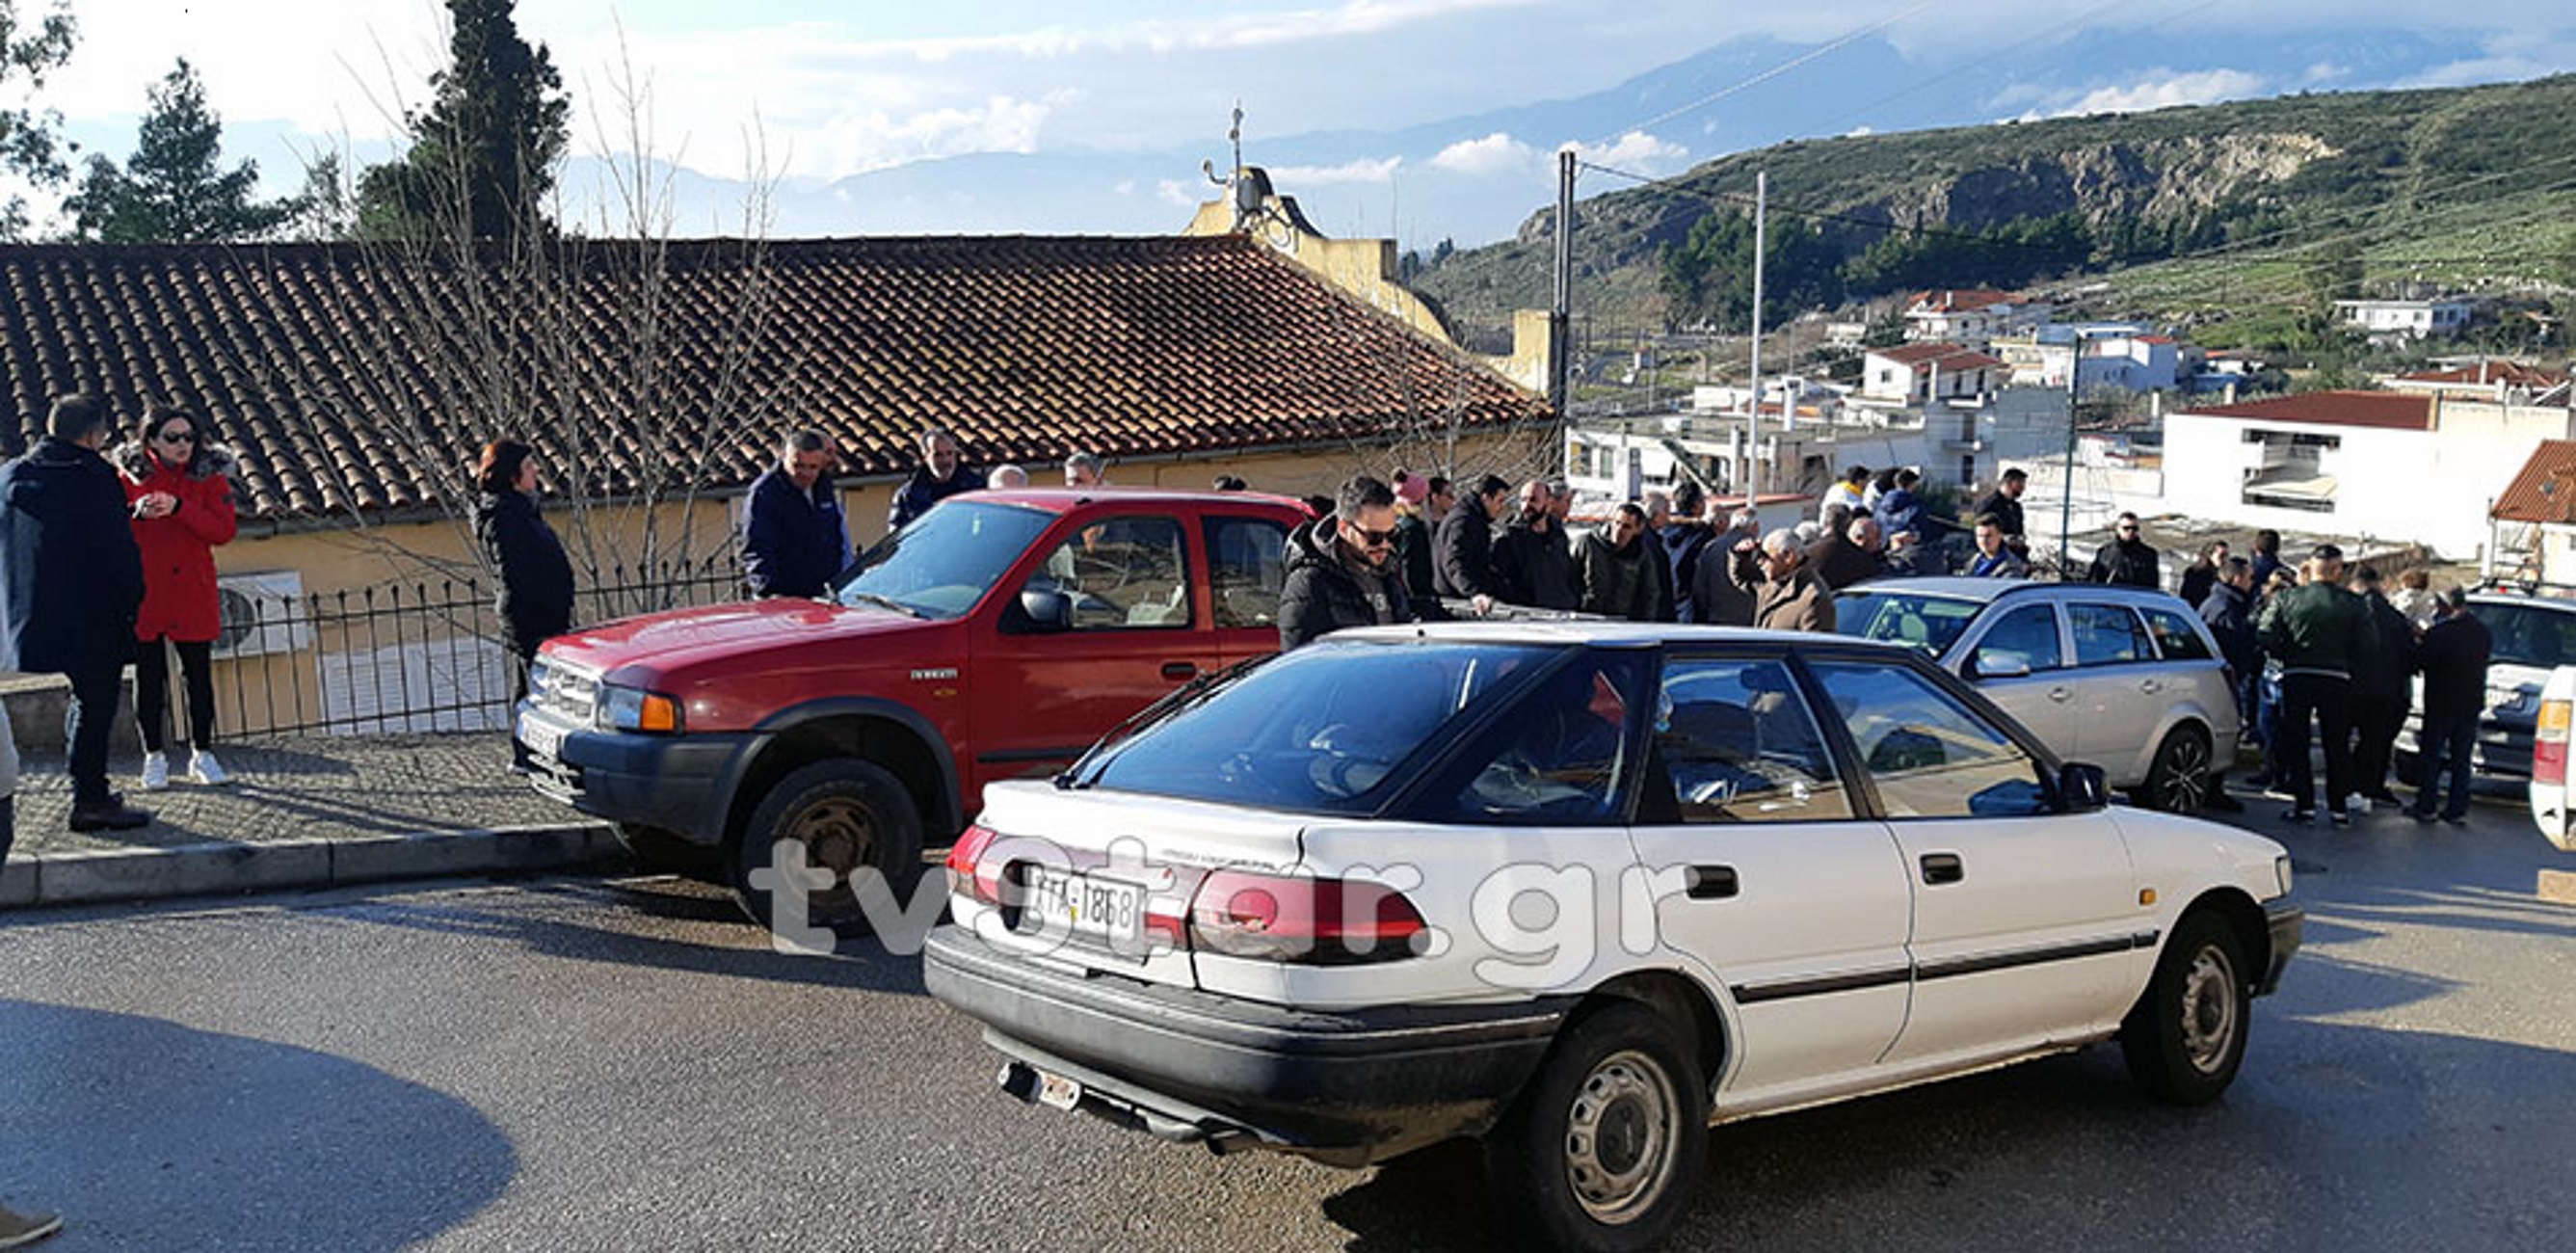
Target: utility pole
point(1753, 454)
point(1561, 315)
point(2066, 476)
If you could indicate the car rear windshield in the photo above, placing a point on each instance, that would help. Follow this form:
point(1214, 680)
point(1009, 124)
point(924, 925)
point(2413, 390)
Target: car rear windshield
point(944, 562)
point(1930, 623)
point(1328, 728)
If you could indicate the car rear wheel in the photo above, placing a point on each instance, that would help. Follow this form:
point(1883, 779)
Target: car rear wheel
point(1603, 1149)
point(2180, 779)
point(846, 817)
point(2186, 1036)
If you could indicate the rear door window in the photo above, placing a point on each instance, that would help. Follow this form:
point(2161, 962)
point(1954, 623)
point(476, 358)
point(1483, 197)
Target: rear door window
point(1554, 757)
point(1735, 742)
point(2108, 635)
point(2175, 636)
point(1927, 754)
point(2027, 634)
point(1247, 565)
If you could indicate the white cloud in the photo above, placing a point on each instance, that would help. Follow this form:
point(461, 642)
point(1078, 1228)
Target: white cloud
point(1173, 191)
point(2166, 89)
point(2323, 72)
point(1364, 170)
point(1497, 153)
point(1636, 152)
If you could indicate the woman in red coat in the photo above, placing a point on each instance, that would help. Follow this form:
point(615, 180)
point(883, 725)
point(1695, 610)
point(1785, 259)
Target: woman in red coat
point(180, 487)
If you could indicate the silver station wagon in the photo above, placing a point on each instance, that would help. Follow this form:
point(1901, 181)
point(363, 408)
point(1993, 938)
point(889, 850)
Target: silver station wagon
point(2122, 677)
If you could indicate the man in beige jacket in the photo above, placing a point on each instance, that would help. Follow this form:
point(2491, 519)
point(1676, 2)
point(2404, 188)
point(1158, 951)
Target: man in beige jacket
point(1787, 596)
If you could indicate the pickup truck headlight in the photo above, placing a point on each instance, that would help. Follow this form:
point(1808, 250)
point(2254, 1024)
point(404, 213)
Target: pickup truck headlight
point(634, 709)
point(2281, 872)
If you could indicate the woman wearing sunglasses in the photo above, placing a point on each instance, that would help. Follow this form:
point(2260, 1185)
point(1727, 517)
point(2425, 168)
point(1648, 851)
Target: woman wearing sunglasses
point(178, 484)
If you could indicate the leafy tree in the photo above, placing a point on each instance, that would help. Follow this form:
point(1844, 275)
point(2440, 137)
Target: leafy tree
point(1709, 275)
point(174, 190)
point(486, 147)
point(29, 147)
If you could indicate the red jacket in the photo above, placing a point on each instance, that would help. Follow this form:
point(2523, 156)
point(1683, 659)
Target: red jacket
point(179, 597)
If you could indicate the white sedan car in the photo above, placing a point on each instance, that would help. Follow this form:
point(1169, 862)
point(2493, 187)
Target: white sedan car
point(1579, 891)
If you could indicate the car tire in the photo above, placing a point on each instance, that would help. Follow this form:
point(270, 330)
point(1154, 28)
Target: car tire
point(2180, 779)
point(1603, 1150)
point(849, 815)
point(657, 848)
point(2185, 1037)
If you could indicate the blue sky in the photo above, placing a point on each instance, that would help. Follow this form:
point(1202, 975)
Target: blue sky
point(1421, 118)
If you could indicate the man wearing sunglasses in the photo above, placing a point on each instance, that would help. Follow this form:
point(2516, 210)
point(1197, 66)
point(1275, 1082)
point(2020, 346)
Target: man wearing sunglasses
point(1341, 567)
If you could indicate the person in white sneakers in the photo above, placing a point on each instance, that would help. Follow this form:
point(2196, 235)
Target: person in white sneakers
point(178, 483)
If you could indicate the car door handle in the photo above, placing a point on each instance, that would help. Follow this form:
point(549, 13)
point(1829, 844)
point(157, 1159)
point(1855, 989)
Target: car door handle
point(1179, 670)
point(1710, 883)
point(1940, 868)
point(2059, 693)
point(2150, 686)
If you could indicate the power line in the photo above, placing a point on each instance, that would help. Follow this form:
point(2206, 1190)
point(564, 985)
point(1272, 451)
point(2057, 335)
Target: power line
point(1765, 76)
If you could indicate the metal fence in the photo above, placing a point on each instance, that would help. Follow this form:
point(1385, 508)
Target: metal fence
point(426, 655)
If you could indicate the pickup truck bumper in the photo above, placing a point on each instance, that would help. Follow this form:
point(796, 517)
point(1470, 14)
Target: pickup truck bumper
point(1344, 1087)
point(678, 783)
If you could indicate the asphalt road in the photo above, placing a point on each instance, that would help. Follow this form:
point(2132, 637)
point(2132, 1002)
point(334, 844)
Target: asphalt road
point(563, 1064)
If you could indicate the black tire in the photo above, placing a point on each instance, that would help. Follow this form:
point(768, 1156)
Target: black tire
point(848, 814)
point(1603, 1150)
point(2185, 1037)
point(656, 848)
point(2180, 779)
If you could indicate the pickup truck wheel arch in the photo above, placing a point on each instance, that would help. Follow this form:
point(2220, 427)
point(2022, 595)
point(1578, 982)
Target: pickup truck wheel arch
point(895, 737)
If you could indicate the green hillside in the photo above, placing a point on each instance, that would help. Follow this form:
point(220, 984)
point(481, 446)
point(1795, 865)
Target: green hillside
point(2237, 214)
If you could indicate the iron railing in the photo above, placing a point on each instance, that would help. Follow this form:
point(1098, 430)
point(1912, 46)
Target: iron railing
point(427, 655)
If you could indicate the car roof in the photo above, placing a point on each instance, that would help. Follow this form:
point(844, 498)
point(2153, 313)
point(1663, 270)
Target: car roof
point(1596, 632)
point(2557, 604)
point(1987, 591)
point(1067, 499)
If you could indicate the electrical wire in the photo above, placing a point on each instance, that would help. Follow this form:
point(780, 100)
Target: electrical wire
point(1822, 50)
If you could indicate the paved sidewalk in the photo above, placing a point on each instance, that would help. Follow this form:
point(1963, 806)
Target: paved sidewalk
point(301, 812)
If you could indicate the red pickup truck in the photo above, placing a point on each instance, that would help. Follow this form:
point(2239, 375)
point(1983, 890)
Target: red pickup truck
point(997, 636)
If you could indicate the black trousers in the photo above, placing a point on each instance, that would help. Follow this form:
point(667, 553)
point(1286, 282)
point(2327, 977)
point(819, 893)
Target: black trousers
point(152, 691)
point(2376, 723)
point(2327, 700)
point(86, 721)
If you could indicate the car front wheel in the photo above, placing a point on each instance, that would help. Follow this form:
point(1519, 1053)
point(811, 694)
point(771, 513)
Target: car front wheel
point(845, 817)
point(1602, 1150)
point(2186, 1036)
point(2179, 780)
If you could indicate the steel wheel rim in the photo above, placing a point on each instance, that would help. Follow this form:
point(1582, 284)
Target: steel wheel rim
point(1622, 1137)
point(837, 835)
point(2209, 1009)
point(2186, 774)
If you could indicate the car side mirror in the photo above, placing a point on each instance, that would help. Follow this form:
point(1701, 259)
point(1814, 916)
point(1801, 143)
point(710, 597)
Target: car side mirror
point(1998, 663)
point(2082, 787)
point(1042, 612)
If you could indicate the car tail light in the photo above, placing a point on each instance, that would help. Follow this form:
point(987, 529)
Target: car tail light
point(1302, 919)
point(967, 874)
point(2549, 744)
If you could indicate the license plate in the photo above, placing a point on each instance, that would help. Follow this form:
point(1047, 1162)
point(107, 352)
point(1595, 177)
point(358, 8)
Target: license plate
point(1066, 901)
point(541, 739)
point(1058, 1092)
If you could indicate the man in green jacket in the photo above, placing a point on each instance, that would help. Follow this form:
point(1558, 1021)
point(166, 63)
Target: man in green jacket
point(2321, 635)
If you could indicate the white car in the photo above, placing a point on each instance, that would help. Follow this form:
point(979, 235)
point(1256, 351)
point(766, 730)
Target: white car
point(2549, 792)
point(1580, 890)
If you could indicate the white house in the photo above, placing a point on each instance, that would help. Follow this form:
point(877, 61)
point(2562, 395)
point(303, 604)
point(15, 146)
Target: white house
point(1970, 315)
point(2123, 355)
point(2363, 464)
point(1915, 374)
point(2405, 319)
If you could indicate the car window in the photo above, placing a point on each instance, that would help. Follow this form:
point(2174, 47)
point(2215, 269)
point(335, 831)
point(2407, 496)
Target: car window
point(2027, 634)
point(1734, 742)
point(2175, 637)
point(2107, 635)
point(1120, 573)
point(1928, 755)
point(1930, 623)
point(1247, 565)
point(1553, 756)
point(946, 560)
point(2525, 636)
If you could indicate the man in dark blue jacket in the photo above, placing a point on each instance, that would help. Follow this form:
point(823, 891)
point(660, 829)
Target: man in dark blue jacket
point(938, 477)
point(2453, 658)
point(74, 582)
point(794, 538)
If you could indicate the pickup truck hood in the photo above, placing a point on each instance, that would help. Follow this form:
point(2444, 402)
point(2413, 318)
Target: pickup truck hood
point(664, 643)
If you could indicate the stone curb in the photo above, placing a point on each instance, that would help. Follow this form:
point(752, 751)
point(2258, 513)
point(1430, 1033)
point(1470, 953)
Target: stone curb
point(218, 868)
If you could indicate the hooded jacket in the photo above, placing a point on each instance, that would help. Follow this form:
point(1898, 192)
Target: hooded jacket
point(179, 596)
point(1325, 593)
point(73, 576)
point(535, 598)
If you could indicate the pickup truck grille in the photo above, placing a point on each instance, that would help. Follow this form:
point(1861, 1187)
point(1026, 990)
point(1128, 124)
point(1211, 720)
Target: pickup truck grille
point(561, 689)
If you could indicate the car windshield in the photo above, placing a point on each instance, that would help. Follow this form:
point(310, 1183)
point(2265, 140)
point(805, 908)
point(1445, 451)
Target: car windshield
point(1323, 729)
point(1930, 623)
point(944, 562)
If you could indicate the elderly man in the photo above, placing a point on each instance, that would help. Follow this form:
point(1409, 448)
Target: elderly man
point(794, 536)
point(1007, 477)
point(938, 477)
point(1342, 570)
point(1085, 469)
point(1859, 558)
point(1715, 596)
point(1787, 596)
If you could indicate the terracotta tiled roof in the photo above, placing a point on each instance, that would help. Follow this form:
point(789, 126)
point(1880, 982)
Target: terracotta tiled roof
point(1026, 347)
point(2489, 373)
point(2383, 410)
point(1947, 356)
point(1962, 300)
point(2545, 491)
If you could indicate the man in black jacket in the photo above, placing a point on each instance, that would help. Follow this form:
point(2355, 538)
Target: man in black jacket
point(938, 477)
point(1341, 567)
point(74, 582)
point(2453, 659)
point(2229, 611)
point(1463, 565)
point(1715, 595)
point(2381, 694)
point(2004, 505)
point(1532, 561)
point(2127, 561)
point(794, 538)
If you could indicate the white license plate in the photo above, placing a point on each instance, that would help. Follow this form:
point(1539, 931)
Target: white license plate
point(1065, 901)
point(1058, 1092)
point(541, 739)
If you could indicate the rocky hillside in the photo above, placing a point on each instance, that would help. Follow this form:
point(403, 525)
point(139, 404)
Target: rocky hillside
point(2367, 172)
